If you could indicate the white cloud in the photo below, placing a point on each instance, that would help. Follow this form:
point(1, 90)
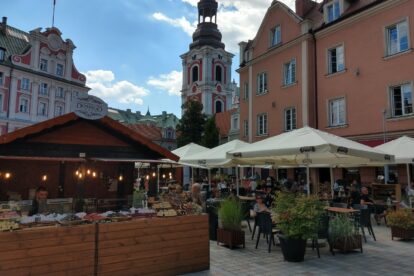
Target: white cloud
point(182, 22)
point(171, 82)
point(104, 85)
point(238, 20)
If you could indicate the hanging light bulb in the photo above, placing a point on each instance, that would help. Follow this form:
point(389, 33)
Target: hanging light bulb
point(80, 175)
point(7, 175)
point(88, 171)
point(93, 174)
point(44, 177)
point(120, 178)
point(171, 177)
point(77, 172)
point(170, 173)
point(163, 176)
point(154, 174)
point(147, 177)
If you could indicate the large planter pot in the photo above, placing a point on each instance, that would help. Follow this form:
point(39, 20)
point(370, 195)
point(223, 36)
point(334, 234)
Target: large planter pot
point(230, 238)
point(401, 233)
point(293, 249)
point(348, 245)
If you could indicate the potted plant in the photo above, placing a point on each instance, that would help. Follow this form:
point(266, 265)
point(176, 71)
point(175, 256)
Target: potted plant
point(402, 224)
point(230, 216)
point(343, 235)
point(298, 220)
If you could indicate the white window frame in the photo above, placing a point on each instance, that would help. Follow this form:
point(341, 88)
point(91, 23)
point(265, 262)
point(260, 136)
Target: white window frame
point(60, 73)
point(25, 84)
point(246, 128)
point(60, 92)
point(333, 5)
point(339, 59)
point(405, 87)
point(45, 110)
point(43, 90)
point(44, 64)
point(289, 72)
point(390, 49)
point(26, 107)
point(275, 35)
point(291, 122)
point(262, 122)
point(246, 91)
point(56, 109)
point(261, 83)
point(335, 109)
point(235, 122)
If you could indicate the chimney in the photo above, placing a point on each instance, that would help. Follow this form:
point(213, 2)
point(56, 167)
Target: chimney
point(242, 46)
point(3, 25)
point(164, 113)
point(304, 6)
point(128, 110)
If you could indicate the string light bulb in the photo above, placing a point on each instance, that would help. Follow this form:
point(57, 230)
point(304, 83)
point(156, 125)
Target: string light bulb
point(7, 175)
point(147, 177)
point(88, 171)
point(44, 177)
point(80, 175)
point(163, 176)
point(77, 172)
point(154, 174)
point(120, 178)
point(94, 174)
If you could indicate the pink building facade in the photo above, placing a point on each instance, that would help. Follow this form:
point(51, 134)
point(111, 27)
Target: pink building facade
point(351, 75)
point(37, 76)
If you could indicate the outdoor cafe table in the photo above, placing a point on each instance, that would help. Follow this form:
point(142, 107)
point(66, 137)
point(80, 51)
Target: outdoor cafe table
point(247, 198)
point(339, 210)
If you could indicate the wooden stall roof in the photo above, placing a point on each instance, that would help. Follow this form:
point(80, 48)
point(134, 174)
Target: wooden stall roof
point(64, 130)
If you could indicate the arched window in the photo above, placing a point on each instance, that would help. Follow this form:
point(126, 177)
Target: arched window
point(195, 73)
point(219, 106)
point(219, 73)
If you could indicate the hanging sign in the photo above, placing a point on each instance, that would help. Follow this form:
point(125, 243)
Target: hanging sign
point(89, 107)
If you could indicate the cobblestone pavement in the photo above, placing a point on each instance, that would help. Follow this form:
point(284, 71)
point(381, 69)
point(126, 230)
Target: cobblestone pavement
point(381, 257)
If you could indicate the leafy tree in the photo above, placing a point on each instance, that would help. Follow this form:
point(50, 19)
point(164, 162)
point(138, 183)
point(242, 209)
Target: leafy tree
point(211, 133)
point(191, 125)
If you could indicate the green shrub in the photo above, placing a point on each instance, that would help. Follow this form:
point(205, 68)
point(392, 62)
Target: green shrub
point(402, 218)
point(341, 227)
point(231, 214)
point(298, 216)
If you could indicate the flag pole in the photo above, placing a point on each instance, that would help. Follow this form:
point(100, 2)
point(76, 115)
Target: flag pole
point(53, 17)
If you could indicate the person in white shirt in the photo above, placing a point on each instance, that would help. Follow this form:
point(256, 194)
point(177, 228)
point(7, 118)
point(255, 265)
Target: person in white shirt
point(222, 184)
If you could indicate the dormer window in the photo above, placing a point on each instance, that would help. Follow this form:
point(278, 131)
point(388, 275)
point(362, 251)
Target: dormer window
point(333, 11)
point(276, 36)
point(43, 65)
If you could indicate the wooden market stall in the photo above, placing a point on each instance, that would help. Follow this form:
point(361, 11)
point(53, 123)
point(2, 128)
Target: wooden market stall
point(69, 156)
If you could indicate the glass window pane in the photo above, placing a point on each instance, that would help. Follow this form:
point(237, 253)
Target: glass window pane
point(403, 36)
point(408, 102)
point(397, 103)
point(392, 40)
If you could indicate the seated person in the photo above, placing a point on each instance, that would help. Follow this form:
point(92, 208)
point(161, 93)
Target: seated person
point(39, 203)
point(355, 196)
point(260, 206)
point(378, 210)
point(269, 198)
point(222, 184)
point(196, 196)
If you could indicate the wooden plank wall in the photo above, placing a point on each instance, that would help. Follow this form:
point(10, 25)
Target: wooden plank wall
point(157, 246)
point(48, 251)
point(154, 246)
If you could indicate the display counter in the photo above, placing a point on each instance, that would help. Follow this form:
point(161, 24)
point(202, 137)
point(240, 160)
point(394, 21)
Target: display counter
point(159, 246)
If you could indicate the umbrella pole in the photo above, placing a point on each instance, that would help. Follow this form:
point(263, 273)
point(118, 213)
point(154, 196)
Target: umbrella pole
point(158, 179)
point(332, 181)
point(192, 175)
point(209, 179)
point(408, 176)
point(237, 180)
point(307, 179)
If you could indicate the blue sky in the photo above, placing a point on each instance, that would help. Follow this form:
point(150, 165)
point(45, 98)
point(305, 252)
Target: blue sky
point(129, 49)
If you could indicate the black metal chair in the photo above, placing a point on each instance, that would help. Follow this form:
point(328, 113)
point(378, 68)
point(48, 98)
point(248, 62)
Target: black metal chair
point(363, 220)
point(340, 205)
point(264, 222)
point(323, 233)
point(246, 213)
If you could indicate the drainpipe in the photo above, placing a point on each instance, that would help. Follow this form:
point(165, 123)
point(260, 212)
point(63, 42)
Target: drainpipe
point(9, 100)
point(315, 80)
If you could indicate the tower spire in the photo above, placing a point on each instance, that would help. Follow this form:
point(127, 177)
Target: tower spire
point(207, 33)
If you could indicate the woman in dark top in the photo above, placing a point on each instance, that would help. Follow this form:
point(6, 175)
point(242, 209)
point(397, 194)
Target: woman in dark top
point(39, 203)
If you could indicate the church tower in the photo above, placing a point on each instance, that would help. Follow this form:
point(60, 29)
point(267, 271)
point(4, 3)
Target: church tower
point(207, 66)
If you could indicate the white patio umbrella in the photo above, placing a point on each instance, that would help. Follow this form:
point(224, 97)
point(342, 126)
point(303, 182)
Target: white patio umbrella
point(308, 146)
point(188, 150)
point(403, 150)
point(216, 157)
